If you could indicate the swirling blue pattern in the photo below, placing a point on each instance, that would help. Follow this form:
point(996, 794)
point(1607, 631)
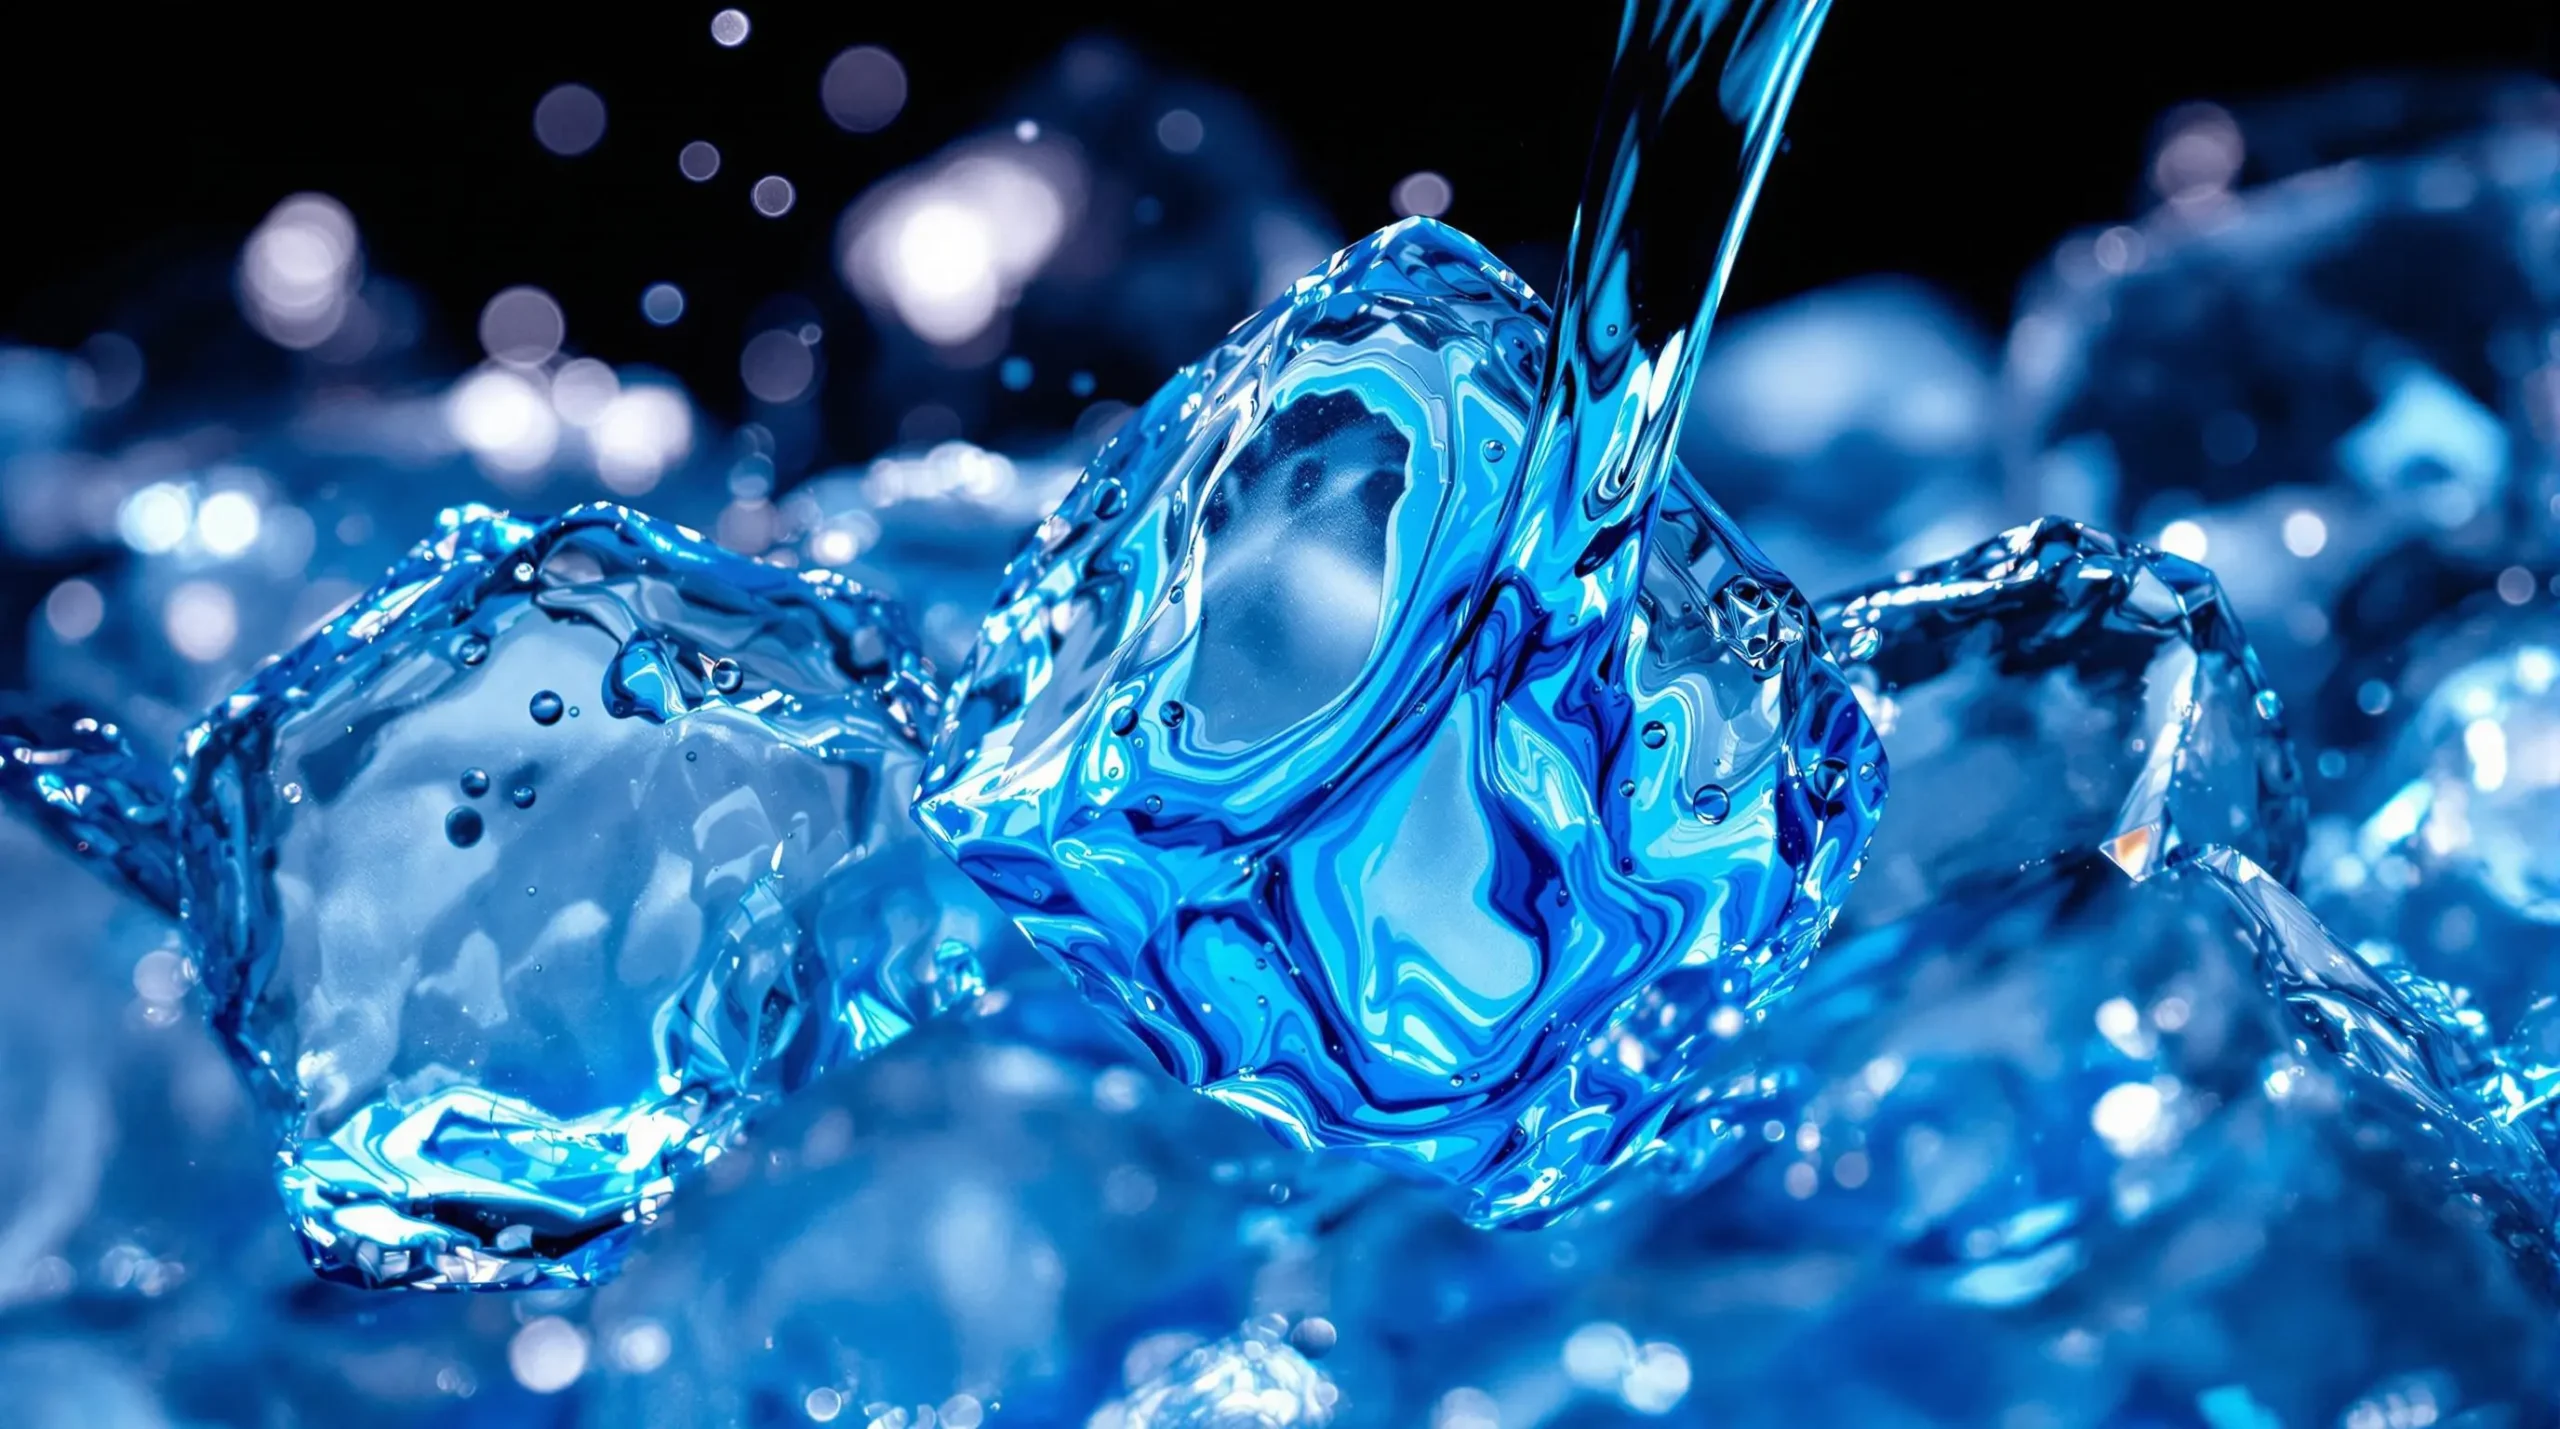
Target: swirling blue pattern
point(1348, 733)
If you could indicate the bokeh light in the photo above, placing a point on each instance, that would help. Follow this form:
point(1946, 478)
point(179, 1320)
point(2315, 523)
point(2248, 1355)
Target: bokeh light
point(569, 120)
point(863, 89)
point(662, 303)
point(300, 270)
point(1424, 195)
point(522, 327)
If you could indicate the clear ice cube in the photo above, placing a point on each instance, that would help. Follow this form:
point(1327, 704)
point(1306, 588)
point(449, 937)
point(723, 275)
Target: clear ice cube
point(1231, 750)
point(527, 879)
point(2057, 691)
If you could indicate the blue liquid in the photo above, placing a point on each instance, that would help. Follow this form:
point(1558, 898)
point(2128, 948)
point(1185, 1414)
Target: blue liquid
point(1357, 733)
point(497, 1033)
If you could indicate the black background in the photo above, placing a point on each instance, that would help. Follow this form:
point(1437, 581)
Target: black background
point(1953, 142)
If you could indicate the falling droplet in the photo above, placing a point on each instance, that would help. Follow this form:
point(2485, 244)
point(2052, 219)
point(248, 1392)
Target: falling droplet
point(475, 782)
point(1655, 734)
point(1713, 803)
point(546, 708)
point(522, 798)
point(726, 677)
point(462, 827)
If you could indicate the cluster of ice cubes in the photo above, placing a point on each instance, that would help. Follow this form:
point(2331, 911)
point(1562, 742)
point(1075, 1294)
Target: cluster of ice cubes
point(2088, 960)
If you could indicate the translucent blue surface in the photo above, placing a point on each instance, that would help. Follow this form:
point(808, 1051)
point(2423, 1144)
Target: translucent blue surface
point(2447, 863)
point(2057, 692)
point(1346, 732)
point(2336, 380)
point(587, 784)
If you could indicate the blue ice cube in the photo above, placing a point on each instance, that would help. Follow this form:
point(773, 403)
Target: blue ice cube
point(2447, 862)
point(1001, 1207)
point(1226, 751)
point(527, 879)
point(2097, 1144)
point(2294, 380)
point(2057, 691)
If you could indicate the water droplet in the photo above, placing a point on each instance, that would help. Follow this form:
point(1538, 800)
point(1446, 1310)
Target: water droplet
point(293, 793)
point(524, 570)
point(1494, 450)
point(522, 797)
point(1110, 501)
point(1655, 735)
point(1172, 713)
point(2270, 705)
point(473, 651)
point(1613, 329)
point(1864, 642)
point(691, 755)
point(475, 782)
point(1155, 803)
point(546, 708)
point(1174, 595)
point(1828, 780)
point(1713, 803)
point(462, 827)
point(573, 711)
point(726, 677)
point(1124, 719)
point(1626, 788)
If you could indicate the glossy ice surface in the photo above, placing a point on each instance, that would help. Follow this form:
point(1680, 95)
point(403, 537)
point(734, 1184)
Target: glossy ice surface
point(2121, 1152)
point(2449, 861)
point(525, 880)
point(1213, 754)
point(1253, 1380)
point(2053, 692)
point(79, 776)
point(2318, 371)
point(1347, 733)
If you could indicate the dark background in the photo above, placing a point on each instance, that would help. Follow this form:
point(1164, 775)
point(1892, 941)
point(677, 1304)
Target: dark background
point(1953, 142)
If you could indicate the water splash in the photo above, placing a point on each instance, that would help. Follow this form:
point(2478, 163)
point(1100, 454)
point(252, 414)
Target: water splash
point(1306, 732)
